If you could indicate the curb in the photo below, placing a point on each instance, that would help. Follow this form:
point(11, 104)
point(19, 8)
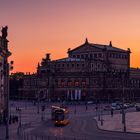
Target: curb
point(133, 133)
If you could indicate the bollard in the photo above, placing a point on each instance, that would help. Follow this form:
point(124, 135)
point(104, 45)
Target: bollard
point(24, 135)
point(102, 122)
point(27, 136)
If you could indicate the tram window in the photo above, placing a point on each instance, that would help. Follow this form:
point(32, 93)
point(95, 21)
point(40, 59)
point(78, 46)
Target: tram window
point(59, 116)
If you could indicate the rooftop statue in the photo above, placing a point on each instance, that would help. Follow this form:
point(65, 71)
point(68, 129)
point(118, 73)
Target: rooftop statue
point(4, 32)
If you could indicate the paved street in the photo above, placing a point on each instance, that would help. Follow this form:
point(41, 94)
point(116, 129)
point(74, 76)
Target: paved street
point(82, 125)
point(80, 128)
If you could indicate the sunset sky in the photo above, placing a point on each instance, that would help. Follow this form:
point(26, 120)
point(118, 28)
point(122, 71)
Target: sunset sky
point(37, 27)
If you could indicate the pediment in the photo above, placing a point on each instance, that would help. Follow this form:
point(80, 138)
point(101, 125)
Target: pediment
point(86, 48)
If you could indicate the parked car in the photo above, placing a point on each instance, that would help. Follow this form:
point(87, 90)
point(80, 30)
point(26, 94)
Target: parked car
point(138, 108)
point(137, 104)
point(107, 108)
point(115, 106)
point(90, 102)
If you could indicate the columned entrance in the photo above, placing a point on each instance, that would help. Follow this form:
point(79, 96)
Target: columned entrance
point(74, 94)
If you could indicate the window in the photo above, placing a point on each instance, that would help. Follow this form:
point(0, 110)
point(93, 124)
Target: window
point(78, 56)
point(70, 83)
point(77, 65)
point(119, 55)
point(91, 56)
point(63, 83)
point(113, 55)
point(100, 55)
point(82, 56)
point(83, 65)
point(76, 83)
point(83, 83)
point(95, 55)
point(72, 65)
point(86, 55)
point(116, 55)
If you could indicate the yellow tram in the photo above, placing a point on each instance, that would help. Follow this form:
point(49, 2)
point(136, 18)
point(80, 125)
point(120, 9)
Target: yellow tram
point(60, 115)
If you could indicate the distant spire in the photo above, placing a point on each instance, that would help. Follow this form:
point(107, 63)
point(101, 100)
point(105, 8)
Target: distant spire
point(38, 65)
point(110, 43)
point(86, 41)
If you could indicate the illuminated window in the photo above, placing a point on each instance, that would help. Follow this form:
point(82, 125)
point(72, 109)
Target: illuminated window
point(76, 83)
point(70, 83)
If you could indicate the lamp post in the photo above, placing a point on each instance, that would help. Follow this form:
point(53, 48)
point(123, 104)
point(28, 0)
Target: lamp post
point(19, 125)
point(38, 103)
point(123, 112)
point(42, 115)
point(75, 108)
point(102, 116)
point(99, 117)
point(37, 93)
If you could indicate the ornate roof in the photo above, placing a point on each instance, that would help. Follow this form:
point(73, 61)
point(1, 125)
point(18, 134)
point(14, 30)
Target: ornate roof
point(95, 47)
point(69, 59)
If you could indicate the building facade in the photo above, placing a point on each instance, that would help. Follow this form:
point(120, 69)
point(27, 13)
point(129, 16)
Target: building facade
point(4, 54)
point(91, 71)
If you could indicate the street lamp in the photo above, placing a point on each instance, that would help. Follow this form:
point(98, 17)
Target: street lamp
point(102, 117)
point(37, 94)
point(123, 112)
point(42, 115)
point(75, 108)
point(99, 117)
point(19, 125)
